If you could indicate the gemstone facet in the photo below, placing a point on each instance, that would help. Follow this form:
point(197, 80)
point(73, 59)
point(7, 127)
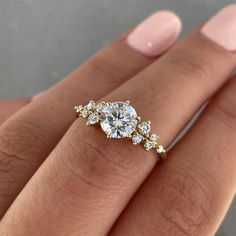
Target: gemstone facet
point(118, 119)
point(148, 145)
point(90, 105)
point(84, 113)
point(144, 127)
point(153, 137)
point(99, 106)
point(137, 138)
point(160, 149)
point(93, 119)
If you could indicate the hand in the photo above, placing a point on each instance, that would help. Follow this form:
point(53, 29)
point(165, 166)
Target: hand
point(59, 177)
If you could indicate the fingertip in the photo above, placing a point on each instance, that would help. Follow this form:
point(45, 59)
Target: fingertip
point(221, 28)
point(155, 34)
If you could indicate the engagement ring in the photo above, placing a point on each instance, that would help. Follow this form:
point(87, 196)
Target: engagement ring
point(120, 120)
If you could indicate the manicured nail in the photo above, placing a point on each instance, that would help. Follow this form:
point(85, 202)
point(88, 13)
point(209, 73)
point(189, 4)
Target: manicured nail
point(155, 34)
point(222, 28)
point(36, 96)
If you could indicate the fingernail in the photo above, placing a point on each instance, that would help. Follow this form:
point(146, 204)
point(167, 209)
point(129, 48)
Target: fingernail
point(222, 28)
point(155, 34)
point(36, 96)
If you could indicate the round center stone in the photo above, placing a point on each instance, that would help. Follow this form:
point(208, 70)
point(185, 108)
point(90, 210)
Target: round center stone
point(118, 119)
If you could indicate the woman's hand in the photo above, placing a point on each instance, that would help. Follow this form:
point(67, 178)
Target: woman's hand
point(58, 177)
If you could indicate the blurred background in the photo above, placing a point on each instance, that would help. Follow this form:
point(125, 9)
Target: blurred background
point(41, 41)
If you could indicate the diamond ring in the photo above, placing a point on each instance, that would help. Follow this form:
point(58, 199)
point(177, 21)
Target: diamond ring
point(120, 120)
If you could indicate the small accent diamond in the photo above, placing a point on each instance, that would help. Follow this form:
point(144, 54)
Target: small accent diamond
point(144, 127)
point(78, 108)
point(153, 137)
point(148, 145)
point(90, 105)
point(99, 106)
point(160, 149)
point(93, 119)
point(137, 138)
point(84, 113)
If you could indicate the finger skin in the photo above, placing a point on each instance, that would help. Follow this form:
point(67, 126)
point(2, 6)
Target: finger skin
point(34, 132)
point(92, 182)
point(28, 137)
point(10, 107)
point(191, 192)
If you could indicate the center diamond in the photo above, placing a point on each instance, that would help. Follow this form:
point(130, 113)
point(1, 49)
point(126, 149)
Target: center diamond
point(118, 119)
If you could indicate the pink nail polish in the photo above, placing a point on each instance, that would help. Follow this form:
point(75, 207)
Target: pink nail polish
point(156, 34)
point(222, 28)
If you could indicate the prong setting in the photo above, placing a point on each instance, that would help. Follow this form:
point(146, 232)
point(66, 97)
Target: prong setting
point(120, 120)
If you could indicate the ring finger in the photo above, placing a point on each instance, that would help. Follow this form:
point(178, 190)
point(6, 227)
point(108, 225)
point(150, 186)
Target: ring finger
point(28, 137)
point(92, 182)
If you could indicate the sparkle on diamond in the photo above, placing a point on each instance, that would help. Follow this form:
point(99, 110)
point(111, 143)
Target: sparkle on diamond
point(137, 138)
point(118, 119)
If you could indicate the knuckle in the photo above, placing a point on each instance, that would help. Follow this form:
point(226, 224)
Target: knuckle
point(102, 64)
point(190, 66)
point(185, 204)
point(19, 140)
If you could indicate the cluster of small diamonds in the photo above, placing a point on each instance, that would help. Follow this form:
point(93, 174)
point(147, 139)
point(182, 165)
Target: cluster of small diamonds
point(90, 111)
point(143, 135)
